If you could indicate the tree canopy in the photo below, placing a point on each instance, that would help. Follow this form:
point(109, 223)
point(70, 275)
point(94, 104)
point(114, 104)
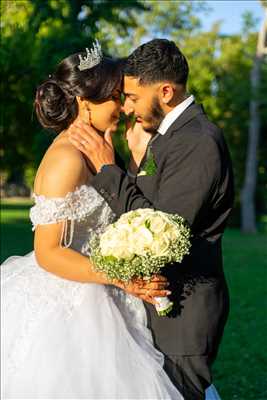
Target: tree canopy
point(37, 34)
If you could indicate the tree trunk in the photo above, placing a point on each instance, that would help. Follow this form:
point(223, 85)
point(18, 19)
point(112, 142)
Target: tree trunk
point(248, 209)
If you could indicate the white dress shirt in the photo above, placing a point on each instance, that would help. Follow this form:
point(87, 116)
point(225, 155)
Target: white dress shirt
point(168, 120)
point(174, 114)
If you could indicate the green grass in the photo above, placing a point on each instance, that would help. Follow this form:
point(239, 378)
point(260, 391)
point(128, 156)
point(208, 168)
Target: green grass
point(16, 228)
point(240, 369)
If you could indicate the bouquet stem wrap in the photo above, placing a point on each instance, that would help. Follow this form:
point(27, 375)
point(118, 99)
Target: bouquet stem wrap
point(139, 244)
point(163, 306)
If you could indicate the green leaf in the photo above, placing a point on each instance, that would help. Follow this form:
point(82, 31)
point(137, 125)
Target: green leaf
point(150, 166)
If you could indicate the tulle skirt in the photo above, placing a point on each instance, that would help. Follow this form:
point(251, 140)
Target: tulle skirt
point(62, 339)
point(67, 340)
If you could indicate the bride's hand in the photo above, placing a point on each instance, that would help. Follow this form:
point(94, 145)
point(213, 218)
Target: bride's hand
point(98, 150)
point(147, 289)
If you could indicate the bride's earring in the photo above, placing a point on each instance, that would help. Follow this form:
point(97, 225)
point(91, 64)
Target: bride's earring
point(85, 115)
point(89, 116)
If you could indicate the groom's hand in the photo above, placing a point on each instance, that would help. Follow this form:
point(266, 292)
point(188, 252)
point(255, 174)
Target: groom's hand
point(137, 139)
point(98, 150)
point(147, 289)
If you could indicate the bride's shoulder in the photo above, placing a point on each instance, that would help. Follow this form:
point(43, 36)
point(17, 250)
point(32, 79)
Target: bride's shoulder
point(61, 171)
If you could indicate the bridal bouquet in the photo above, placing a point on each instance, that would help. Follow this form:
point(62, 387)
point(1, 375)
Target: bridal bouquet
point(139, 244)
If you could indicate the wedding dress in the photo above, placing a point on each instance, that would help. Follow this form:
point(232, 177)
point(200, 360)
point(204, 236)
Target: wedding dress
point(68, 340)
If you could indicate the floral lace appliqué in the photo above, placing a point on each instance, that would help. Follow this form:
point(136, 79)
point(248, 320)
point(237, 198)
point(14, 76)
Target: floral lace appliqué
point(74, 206)
point(81, 212)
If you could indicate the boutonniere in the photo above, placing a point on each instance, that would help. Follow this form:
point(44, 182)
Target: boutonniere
point(150, 166)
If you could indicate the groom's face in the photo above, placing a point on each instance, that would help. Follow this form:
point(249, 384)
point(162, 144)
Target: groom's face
point(143, 101)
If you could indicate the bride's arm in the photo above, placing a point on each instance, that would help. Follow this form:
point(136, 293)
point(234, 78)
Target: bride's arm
point(63, 170)
point(69, 264)
point(61, 261)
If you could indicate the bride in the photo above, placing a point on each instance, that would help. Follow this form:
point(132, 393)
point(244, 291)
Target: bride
point(66, 331)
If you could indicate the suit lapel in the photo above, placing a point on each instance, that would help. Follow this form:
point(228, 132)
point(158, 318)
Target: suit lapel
point(157, 141)
point(191, 112)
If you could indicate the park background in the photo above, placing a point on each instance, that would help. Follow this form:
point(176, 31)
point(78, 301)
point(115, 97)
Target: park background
point(228, 75)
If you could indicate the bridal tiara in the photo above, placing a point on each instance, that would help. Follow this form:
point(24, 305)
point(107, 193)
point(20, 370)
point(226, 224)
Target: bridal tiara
point(92, 58)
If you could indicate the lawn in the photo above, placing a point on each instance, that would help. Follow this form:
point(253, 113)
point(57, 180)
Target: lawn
point(240, 370)
point(16, 228)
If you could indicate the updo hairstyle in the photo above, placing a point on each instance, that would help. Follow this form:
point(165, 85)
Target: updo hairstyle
point(55, 102)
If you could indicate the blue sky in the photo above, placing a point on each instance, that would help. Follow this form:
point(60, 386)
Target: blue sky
point(230, 12)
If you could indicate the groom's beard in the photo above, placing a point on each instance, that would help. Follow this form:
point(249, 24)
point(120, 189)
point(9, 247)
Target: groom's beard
point(154, 118)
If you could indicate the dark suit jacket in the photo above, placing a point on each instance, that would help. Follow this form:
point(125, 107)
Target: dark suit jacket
point(193, 179)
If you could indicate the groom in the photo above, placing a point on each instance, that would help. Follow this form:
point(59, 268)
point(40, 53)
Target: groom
point(186, 170)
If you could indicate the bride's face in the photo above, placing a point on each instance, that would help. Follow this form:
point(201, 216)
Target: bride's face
point(106, 114)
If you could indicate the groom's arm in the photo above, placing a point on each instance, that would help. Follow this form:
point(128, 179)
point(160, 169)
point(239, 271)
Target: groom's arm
point(119, 190)
point(190, 174)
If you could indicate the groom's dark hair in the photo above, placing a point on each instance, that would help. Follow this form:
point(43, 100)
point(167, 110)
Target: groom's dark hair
point(156, 61)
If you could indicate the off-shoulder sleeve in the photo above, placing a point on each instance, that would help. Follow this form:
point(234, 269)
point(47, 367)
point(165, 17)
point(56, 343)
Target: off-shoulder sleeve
point(75, 206)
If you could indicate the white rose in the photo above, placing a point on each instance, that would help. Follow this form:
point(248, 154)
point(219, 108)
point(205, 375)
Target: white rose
point(109, 241)
point(157, 224)
point(122, 235)
point(145, 235)
point(139, 249)
point(122, 252)
point(136, 244)
point(136, 223)
point(140, 241)
point(107, 248)
point(123, 218)
point(160, 247)
point(172, 233)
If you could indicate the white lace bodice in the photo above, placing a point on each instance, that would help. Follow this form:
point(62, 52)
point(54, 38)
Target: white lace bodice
point(83, 212)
